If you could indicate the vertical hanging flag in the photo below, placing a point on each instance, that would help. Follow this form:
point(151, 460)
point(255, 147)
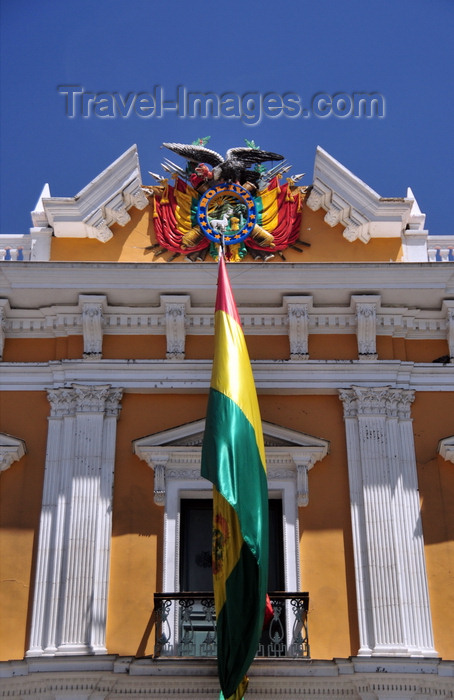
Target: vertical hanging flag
point(233, 458)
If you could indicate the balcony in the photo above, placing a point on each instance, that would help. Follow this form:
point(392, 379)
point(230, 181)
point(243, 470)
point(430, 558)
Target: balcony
point(186, 626)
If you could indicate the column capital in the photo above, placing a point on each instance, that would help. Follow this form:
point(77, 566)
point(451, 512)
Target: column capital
point(66, 401)
point(385, 400)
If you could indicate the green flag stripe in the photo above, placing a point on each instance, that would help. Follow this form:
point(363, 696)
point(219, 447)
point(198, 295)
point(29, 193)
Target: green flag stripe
point(231, 460)
point(240, 621)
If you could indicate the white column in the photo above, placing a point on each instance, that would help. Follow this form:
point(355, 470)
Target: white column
point(70, 597)
point(391, 581)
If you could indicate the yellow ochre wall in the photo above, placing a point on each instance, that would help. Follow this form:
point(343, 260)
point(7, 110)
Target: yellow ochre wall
point(334, 346)
point(326, 550)
point(23, 414)
point(433, 414)
point(136, 559)
point(137, 535)
point(129, 244)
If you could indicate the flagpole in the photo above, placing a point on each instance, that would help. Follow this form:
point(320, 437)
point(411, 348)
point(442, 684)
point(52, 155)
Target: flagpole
point(233, 459)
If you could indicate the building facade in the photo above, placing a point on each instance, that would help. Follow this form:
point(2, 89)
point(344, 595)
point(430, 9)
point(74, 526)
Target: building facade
point(107, 340)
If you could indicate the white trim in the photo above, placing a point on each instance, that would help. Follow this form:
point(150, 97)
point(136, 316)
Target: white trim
point(446, 448)
point(101, 203)
point(107, 677)
point(179, 376)
point(72, 567)
point(415, 285)
point(350, 202)
point(448, 308)
point(177, 476)
point(11, 450)
point(176, 318)
point(92, 309)
point(391, 581)
point(366, 307)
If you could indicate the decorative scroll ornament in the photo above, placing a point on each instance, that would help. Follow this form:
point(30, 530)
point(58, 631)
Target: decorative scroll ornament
point(233, 200)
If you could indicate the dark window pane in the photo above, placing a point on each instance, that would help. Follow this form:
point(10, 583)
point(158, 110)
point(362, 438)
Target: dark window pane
point(195, 545)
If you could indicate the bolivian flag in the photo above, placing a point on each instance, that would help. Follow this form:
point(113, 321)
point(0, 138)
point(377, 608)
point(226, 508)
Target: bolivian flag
point(233, 458)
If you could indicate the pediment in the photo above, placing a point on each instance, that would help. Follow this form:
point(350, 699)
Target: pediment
point(191, 435)
point(100, 204)
point(175, 455)
point(364, 214)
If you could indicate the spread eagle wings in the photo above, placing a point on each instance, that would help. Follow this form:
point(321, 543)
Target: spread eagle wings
point(196, 154)
point(200, 154)
point(250, 156)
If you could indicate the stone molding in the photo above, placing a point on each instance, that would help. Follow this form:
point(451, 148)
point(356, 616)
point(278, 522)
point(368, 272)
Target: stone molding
point(448, 308)
point(106, 677)
point(11, 450)
point(4, 311)
point(34, 246)
point(101, 203)
point(92, 309)
point(72, 567)
point(176, 454)
point(176, 317)
point(176, 308)
point(175, 457)
point(391, 580)
point(446, 448)
point(440, 248)
point(298, 325)
point(366, 307)
point(363, 213)
point(282, 376)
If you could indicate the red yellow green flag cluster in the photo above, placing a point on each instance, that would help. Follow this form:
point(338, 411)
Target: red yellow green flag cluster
point(278, 205)
point(233, 458)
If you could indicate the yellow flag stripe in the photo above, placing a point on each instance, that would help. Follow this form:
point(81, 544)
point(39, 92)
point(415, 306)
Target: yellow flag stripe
point(270, 211)
point(183, 210)
point(232, 373)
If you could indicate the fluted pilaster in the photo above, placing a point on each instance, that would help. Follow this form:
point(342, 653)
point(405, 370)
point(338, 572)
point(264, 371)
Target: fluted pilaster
point(391, 582)
point(70, 598)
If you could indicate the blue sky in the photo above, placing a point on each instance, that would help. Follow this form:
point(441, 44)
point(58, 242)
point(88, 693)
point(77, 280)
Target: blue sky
point(401, 49)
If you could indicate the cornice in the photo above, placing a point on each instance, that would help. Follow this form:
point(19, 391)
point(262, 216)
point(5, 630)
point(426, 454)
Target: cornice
point(63, 320)
point(38, 284)
point(103, 202)
point(175, 454)
point(350, 202)
point(180, 376)
point(111, 676)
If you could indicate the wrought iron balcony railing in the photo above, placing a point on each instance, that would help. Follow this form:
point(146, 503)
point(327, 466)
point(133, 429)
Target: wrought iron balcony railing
point(186, 626)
